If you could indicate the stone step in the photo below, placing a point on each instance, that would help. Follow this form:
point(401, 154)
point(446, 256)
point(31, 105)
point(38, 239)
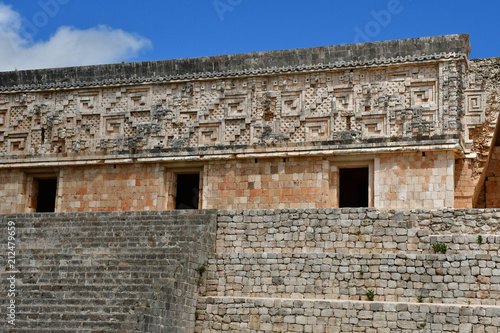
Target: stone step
point(102, 291)
point(67, 290)
point(119, 236)
point(105, 234)
point(78, 323)
point(96, 249)
point(245, 314)
point(34, 225)
point(67, 271)
point(74, 328)
point(107, 272)
point(104, 252)
point(109, 225)
point(129, 318)
point(72, 303)
point(87, 271)
point(438, 278)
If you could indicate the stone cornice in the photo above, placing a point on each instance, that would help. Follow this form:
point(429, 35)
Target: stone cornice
point(427, 49)
point(205, 154)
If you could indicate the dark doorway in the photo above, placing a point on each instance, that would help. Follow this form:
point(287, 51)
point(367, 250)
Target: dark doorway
point(353, 187)
point(188, 191)
point(47, 192)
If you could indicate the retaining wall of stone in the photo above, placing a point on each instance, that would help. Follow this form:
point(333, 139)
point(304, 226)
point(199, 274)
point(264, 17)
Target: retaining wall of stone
point(290, 315)
point(438, 278)
point(355, 231)
point(312, 271)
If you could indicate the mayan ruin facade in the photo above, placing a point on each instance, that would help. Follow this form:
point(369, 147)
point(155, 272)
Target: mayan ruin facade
point(348, 188)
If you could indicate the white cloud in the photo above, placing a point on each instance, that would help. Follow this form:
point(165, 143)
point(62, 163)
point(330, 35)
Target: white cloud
point(67, 47)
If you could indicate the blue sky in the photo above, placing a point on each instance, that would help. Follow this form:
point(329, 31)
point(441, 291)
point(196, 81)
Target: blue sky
point(54, 33)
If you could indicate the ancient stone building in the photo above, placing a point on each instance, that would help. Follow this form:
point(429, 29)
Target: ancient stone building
point(312, 178)
point(410, 122)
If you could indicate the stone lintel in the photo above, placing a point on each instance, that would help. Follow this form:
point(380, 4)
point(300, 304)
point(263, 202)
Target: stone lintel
point(236, 153)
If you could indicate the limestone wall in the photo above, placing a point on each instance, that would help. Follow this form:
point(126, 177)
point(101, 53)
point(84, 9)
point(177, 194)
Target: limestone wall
point(356, 231)
point(12, 191)
point(405, 180)
point(414, 180)
point(450, 278)
point(310, 271)
point(126, 187)
point(290, 315)
point(268, 183)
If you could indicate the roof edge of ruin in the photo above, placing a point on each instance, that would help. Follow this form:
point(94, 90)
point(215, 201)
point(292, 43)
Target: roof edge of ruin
point(244, 64)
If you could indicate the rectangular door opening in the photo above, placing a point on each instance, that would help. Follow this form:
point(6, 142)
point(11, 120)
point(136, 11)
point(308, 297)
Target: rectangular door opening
point(46, 194)
point(353, 187)
point(188, 191)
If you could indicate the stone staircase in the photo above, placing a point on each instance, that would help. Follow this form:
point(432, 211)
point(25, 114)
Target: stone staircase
point(108, 272)
point(317, 271)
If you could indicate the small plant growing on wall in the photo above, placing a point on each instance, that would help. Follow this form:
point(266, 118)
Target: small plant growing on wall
point(479, 239)
point(440, 247)
point(370, 295)
point(202, 269)
point(420, 299)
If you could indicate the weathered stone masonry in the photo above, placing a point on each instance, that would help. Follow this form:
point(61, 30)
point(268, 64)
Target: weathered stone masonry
point(417, 113)
point(107, 272)
point(310, 270)
point(267, 146)
point(266, 271)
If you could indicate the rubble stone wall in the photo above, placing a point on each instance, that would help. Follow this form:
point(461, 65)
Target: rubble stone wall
point(312, 271)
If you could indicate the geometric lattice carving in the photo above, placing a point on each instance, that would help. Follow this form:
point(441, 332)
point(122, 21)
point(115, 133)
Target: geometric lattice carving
point(343, 101)
point(474, 113)
point(210, 135)
point(17, 143)
point(139, 98)
point(375, 126)
point(398, 102)
point(475, 108)
point(424, 95)
point(113, 126)
point(3, 118)
point(291, 103)
point(236, 105)
point(317, 130)
point(88, 101)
